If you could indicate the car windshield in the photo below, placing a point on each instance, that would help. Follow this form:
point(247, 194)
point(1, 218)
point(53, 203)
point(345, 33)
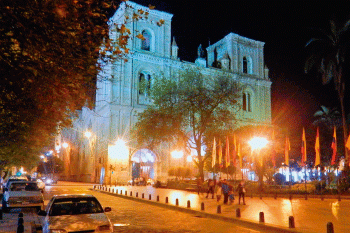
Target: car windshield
point(24, 187)
point(75, 206)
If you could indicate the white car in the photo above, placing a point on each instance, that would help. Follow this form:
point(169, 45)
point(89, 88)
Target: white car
point(75, 213)
point(19, 194)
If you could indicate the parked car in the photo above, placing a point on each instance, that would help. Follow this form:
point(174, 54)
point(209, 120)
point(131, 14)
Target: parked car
point(75, 213)
point(13, 178)
point(20, 194)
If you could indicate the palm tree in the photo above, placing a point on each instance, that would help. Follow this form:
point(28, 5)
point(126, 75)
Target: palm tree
point(329, 54)
point(328, 117)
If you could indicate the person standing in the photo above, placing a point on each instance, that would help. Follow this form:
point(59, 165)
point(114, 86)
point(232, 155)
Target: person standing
point(225, 191)
point(241, 192)
point(211, 186)
point(218, 191)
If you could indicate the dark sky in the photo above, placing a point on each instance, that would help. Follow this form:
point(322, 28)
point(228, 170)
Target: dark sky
point(284, 25)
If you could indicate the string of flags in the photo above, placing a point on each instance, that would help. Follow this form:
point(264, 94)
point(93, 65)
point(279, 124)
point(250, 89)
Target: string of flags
point(233, 151)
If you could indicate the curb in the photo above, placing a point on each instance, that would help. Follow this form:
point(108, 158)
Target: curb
point(242, 222)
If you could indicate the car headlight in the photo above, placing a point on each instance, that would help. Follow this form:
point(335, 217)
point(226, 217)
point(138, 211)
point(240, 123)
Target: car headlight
point(48, 181)
point(57, 231)
point(104, 228)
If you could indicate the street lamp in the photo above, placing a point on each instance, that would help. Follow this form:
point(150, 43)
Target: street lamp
point(257, 143)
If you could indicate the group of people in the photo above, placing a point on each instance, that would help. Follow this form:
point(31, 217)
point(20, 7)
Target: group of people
point(223, 188)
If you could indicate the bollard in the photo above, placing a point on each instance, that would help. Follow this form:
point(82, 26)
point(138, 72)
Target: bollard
point(137, 194)
point(126, 193)
point(238, 212)
point(166, 200)
point(157, 197)
point(188, 204)
point(143, 195)
point(330, 228)
point(20, 227)
point(116, 191)
point(218, 209)
point(322, 198)
point(130, 193)
point(202, 206)
point(339, 198)
point(121, 191)
point(109, 189)
point(291, 222)
point(177, 201)
point(275, 195)
point(305, 196)
point(261, 217)
point(149, 197)
point(290, 196)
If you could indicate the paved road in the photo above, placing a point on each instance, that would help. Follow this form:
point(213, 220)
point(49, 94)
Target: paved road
point(132, 216)
point(311, 216)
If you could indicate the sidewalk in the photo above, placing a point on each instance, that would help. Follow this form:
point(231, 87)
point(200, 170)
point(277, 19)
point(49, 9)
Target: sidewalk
point(310, 216)
point(9, 222)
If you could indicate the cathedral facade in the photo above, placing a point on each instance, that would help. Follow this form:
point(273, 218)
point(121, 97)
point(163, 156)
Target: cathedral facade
point(103, 155)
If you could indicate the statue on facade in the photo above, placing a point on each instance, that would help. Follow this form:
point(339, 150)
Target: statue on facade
point(201, 53)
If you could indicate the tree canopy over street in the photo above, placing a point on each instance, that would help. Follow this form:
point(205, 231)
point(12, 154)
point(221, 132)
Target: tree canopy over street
point(48, 63)
point(188, 109)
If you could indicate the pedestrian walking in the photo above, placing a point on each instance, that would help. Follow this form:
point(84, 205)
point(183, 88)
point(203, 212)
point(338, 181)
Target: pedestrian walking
point(211, 187)
point(225, 190)
point(231, 196)
point(241, 192)
point(218, 191)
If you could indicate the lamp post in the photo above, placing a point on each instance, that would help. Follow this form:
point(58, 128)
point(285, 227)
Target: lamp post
point(257, 143)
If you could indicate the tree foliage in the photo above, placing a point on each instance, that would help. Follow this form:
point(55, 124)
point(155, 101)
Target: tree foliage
point(186, 109)
point(329, 53)
point(48, 64)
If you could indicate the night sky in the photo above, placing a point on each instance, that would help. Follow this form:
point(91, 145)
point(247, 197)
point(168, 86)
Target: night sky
point(284, 26)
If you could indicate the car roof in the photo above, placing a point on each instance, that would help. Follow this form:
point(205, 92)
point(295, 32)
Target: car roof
point(67, 196)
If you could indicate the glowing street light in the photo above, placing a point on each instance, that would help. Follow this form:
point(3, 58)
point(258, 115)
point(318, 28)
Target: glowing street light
point(65, 145)
point(258, 143)
point(87, 134)
point(177, 154)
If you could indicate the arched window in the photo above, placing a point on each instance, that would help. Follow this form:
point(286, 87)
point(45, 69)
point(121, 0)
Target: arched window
point(245, 65)
point(145, 81)
point(244, 102)
point(146, 42)
point(247, 102)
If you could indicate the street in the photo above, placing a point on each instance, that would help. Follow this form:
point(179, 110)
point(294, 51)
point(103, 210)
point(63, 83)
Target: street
point(132, 216)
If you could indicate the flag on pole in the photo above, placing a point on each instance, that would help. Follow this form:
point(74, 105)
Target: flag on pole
point(273, 149)
point(303, 148)
point(213, 160)
point(234, 151)
point(317, 149)
point(220, 153)
point(227, 152)
point(348, 143)
point(286, 152)
point(334, 147)
point(239, 154)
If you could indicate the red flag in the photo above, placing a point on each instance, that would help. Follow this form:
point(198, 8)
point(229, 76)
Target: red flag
point(334, 147)
point(234, 152)
point(273, 149)
point(213, 160)
point(317, 149)
point(303, 148)
point(227, 152)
